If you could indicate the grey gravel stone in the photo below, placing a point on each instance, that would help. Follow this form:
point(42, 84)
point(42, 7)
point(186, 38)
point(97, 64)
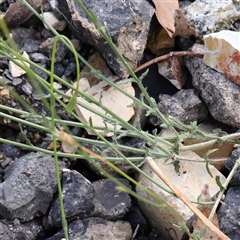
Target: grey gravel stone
point(6, 162)
point(20, 34)
point(28, 187)
point(39, 72)
point(27, 89)
point(77, 194)
point(96, 229)
point(10, 150)
point(127, 22)
point(221, 95)
point(38, 57)
point(229, 214)
point(10, 230)
point(185, 105)
point(30, 45)
point(16, 81)
point(109, 203)
point(58, 69)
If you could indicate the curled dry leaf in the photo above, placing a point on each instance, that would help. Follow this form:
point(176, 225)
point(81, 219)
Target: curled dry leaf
point(112, 99)
point(18, 13)
point(165, 14)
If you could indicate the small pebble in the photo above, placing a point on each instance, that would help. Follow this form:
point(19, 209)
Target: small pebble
point(58, 69)
point(6, 162)
point(27, 89)
point(16, 81)
point(71, 68)
point(10, 150)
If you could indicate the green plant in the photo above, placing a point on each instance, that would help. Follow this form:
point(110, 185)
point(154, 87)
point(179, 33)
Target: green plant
point(168, 147)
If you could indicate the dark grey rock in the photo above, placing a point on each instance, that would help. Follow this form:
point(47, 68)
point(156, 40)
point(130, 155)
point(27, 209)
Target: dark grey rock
point(10, 150)
point(221, 95)
point(71, 68)
point(109, 203)
point(127, 22)
point(78, 195)
point(229, 214)
point(136, 219)
point(30, 45)
point(96, 229)
point(185, 105)
point(6, 162)
point(58, 69)
point(45, 33)
point(28, 187)
point(39, 72)
point(21, 34)
point(10, 230)
point(229, 164)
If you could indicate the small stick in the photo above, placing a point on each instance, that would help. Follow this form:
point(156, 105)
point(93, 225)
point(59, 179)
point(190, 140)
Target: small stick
point(160, 174)
point(235, 168)
point(166, 56)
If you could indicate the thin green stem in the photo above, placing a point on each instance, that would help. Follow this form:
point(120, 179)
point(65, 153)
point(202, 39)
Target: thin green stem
point(52, 110)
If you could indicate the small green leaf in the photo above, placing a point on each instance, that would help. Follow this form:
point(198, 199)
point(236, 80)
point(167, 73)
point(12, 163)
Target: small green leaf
point(176, 165)
point(199, 135)
point(143, 75)
point(219, 183)
point(219, 142)
point(208, 170)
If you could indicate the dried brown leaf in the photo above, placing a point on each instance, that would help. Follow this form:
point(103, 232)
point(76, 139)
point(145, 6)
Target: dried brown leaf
point(165, 14)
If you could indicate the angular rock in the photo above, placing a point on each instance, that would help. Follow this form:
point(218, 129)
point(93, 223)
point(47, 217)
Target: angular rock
point(96, 229)
point(109, 203)
point(127, 23)
point(189, 180)
point(223, 53)
point(221, 95)
point(229, 213)
point(15, 70)
point(211, 16)
point(174, 70)
point(10, 230)
point(46, 47)
point(28, 187)
point(30, 45)
point(78, 195)
point(185, 105)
